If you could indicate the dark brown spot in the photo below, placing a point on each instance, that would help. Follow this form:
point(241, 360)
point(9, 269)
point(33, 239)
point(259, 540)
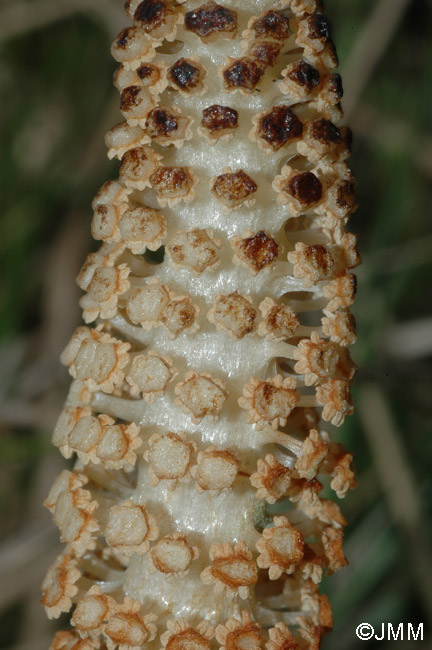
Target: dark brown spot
point(305, 75)
point(319, 257)
point(244, 73)
point(319, 27)
point(278, 126)
point(145, 71)
point(305, 187)
point(129, 98)
point(345, 197)
point(266, 53)
point(259, 250)
point(335, 86)
point(151, 14)
point(184, 74)
point(272, 25)
point(234, 186)
point(148, 73)
point(210, 19)
point(219, 118)
point(123, 37)
point(325, 132)
point(133, 160)
point(161, 122)
point(332, 54)
point(169, 180)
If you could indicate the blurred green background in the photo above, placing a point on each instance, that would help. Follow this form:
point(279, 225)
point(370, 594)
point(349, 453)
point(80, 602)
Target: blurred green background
point(56, 103)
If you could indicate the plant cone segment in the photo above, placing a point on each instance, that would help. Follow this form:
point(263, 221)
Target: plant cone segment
point(206, 374)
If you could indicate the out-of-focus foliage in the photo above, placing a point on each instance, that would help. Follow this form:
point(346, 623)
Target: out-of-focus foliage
point(57, 101)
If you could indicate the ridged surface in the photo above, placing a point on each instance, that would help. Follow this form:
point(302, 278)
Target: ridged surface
point(193, 516)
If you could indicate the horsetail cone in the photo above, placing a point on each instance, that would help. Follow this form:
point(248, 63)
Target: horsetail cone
point(206, 375)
